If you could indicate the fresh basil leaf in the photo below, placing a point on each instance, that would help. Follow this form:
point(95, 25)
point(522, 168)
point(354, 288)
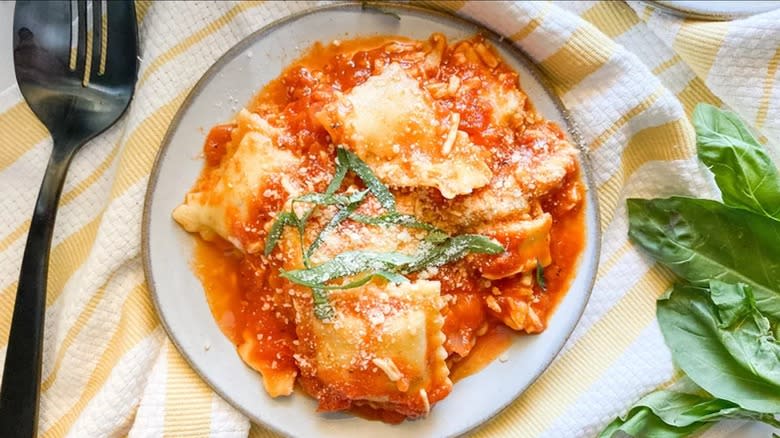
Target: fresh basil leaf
point(734, 302)
point(745, 174)
point(700, 239)
point(322, 308)
point(346, 264)
point(334, 222)
point(436, 236)
point(452, 249)
point(391, 277)
point(738, 363)
point(342, 167)
point(282, 220)
point(379, 190)
point(745, 331)
point(332, 199)
point(540, 275)
point(393, 218)
point(640, 422)
point(673, 413)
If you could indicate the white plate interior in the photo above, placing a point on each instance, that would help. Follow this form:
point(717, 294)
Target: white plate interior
point(180, 297)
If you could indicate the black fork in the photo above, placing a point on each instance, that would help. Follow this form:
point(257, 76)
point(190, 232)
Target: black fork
point(76, 66)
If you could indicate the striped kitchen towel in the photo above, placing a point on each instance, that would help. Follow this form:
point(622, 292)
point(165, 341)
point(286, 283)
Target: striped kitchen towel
point(630, 76)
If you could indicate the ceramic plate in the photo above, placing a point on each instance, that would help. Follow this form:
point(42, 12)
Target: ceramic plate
point(168, 250)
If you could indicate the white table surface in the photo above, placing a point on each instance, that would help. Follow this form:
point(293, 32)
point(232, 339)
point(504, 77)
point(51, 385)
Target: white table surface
point(7, 80)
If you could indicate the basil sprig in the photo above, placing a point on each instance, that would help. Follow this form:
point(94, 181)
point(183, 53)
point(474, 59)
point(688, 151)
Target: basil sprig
point(392, 265)
point(722, 321)
point(436, 249)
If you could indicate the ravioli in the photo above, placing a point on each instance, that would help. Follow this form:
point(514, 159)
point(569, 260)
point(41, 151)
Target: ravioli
point(390, 123)
point(250, 166)
point(383, 348)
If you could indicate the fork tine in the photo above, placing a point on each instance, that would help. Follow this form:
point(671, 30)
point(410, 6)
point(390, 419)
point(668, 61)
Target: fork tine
point(98, 38)
point(81, 51)
point(29, 33)
point(122, 47)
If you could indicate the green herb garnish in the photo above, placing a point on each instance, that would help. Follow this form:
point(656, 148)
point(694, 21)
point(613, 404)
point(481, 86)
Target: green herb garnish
point(437, 248)
point(393, 218)
point(722, 321)
point(450, 250)
point(282, 220)
point(346, 264)
point(540, 275)
point(379, 190)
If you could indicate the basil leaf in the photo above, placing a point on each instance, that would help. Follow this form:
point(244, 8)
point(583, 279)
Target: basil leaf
point(452, 249)
point(393, 218)
point(342, 167)
point(436, 236)
point(745, 174)
point(700, 239)
point(391, 277)
point(282, 220)
point(334, 222)
point(346, 264)
point(322, 308)
point(736, 362)
point(673, 413)
point(641, 422)
point(540, 275)
point(331, 199)
point(379, 190)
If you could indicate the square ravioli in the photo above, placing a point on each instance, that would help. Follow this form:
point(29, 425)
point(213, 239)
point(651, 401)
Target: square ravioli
point(389, 121)
point(382, 348)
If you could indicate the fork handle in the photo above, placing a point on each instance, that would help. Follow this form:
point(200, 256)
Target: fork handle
point(20, 390)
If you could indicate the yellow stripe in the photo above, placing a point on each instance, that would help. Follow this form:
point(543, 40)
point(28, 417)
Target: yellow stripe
point(533, 24)
point(187, 399)
point(769, 80)
point(87, 182)
point(671, 141)
point(585, 363)
point(697, 92)
point(141, 146)
point(137, 321)
point(67, 198)
point(194, 38)
point(585, 52)
point(611, 18)
point(625, 118)
point(256, 431)
point(613, 260)
point(609, 196)
point(141, 8)
point(667, 64)
point(65, 259)
point(698, 43)
point(16, 142)
point(647, 12)
point(15, 234)
point(74, 331)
